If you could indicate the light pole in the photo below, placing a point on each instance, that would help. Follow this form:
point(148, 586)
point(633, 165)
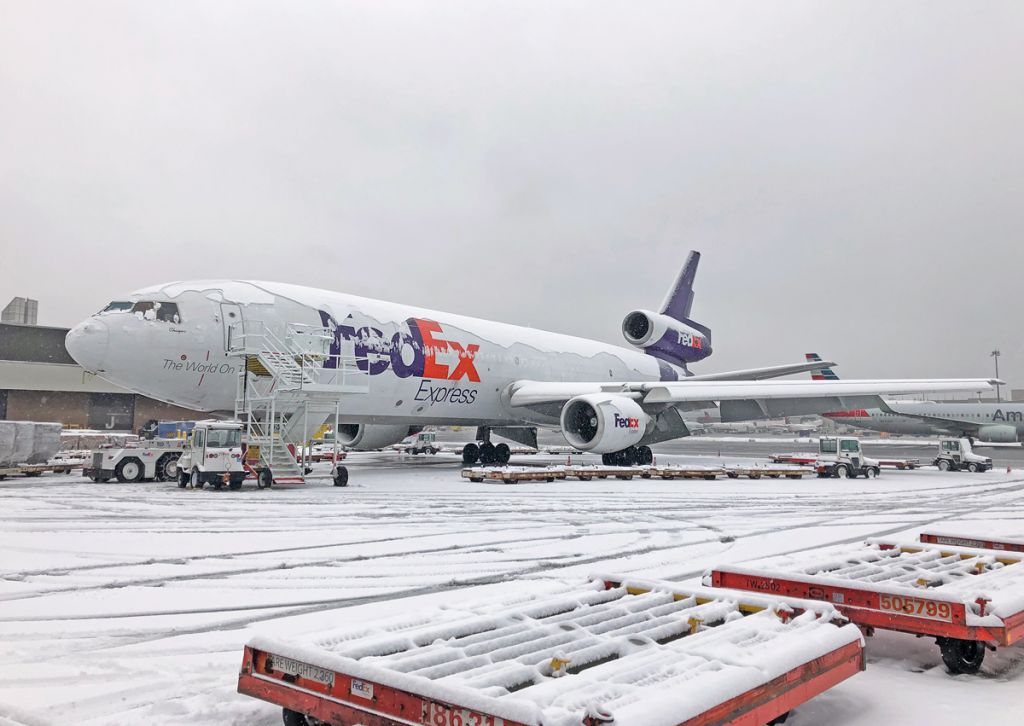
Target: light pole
point(995, 354)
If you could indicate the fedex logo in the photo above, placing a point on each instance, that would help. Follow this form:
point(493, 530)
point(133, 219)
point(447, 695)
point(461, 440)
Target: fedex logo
point(690, 340)
point(623, 422)
point(418, 350)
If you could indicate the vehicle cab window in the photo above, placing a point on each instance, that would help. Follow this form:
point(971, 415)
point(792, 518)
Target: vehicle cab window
point(198, 440)
point(225, 438)
point(851, 445)
point(828, 447)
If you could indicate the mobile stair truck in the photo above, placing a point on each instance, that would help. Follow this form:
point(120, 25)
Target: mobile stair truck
point(957, 455)
point(291, 382)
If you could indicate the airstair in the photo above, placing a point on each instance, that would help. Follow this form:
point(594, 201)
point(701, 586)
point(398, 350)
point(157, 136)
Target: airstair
point(288, 387)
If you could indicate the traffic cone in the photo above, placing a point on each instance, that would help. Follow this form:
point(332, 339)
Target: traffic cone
point(1009, 469)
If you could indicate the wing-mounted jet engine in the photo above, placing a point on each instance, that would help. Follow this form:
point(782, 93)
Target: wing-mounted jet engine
point(671, 335)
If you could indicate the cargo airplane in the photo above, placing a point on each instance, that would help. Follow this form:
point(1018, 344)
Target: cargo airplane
point(1001, 423)
point(173, 342)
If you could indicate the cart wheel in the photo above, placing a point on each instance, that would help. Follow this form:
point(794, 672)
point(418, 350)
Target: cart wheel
point(265, 480)
point(943, 465)
point(961, 656)
point(779, 719)
point(341, 477)
point(502, 454)
point(509, 481)
point(476, 479)
point(470, 454)
point(550, 479)
point(129, 470)
point(732, 475)
point(294, 718)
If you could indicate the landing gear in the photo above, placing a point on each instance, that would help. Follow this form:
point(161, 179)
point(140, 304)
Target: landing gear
point(487, 453)
point(632, 456)
point(502, 454)
point(340, 476)
point(961, 656)
point(265, 480)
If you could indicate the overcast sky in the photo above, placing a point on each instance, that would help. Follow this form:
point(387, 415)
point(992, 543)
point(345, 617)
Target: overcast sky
point(852, 171)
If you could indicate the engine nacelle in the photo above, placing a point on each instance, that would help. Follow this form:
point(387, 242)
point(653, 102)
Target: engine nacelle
point(998, 434)
point(603, 422)
point(366, 437)
point(665, 337)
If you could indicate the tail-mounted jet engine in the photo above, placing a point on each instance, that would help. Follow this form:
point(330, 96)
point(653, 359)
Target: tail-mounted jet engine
point(603, 423)
point(366, 437)
point(666, 338)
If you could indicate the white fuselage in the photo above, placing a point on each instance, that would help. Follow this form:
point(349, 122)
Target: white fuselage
point(422, 366)
point(927, 418)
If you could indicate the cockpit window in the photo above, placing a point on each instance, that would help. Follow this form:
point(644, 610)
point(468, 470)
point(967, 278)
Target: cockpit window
point(116, 306)
point(164, 311)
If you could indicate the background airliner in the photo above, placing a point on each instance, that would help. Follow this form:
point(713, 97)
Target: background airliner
point(990, 422)
point(173, 341)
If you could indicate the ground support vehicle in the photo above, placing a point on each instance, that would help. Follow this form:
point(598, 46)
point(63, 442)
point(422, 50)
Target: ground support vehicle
point(425, 442)
point(967, 598)
point(957, 455)
point(812, 460)
point(37, 469)
point(604, 652)
point(148, 459)
point(772, 472)
point(685, 472)
point(986, 542)
point(514, 474)
point(840, 457)
point(213, 456)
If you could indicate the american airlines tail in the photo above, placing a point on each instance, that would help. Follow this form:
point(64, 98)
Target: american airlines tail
point(820, 374)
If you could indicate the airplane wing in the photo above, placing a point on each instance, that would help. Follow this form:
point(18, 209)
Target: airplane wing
point(659, 393)
point(757, 374)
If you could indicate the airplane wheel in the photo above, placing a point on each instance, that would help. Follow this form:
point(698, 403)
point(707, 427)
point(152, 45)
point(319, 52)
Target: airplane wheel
point(487, 453)
point(470, 454)
point(265, 480)
point(644, 456)
point(341, 477)
point(502, 454)
point(606, 459)
point(129, 470)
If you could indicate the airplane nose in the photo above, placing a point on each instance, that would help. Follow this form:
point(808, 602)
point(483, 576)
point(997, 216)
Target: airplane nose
point(87, 344)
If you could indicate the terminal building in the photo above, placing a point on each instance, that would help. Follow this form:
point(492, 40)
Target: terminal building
point(39, 381)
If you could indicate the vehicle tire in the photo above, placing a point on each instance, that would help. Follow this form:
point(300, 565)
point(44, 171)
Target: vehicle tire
point(129, 470)
point(502, 454)
point(167, 467)
point(236, 481)
point(972, 467)
point(779, 719)
point(509, 481)
point(943, 465)
point(470, 454)
point(293, 718)
point(644, 456)
point(341, 476)
point(265, 480)
point(842, 472)
point(196, 479)
point(476, 479)
point(870, 473)
point(549, 479)
point(487, 453)
point(183, 479)
point(962, 656)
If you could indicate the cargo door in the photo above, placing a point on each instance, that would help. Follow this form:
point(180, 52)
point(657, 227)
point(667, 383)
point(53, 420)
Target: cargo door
point(231, 319)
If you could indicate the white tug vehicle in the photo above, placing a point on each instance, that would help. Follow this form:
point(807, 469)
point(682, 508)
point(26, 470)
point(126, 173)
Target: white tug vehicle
point(840, 457)
point(155, 459)
point(213, 456)
point(957, 455)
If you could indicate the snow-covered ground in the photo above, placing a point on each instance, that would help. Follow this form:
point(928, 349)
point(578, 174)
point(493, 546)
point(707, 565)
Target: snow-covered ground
point(129, 604)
